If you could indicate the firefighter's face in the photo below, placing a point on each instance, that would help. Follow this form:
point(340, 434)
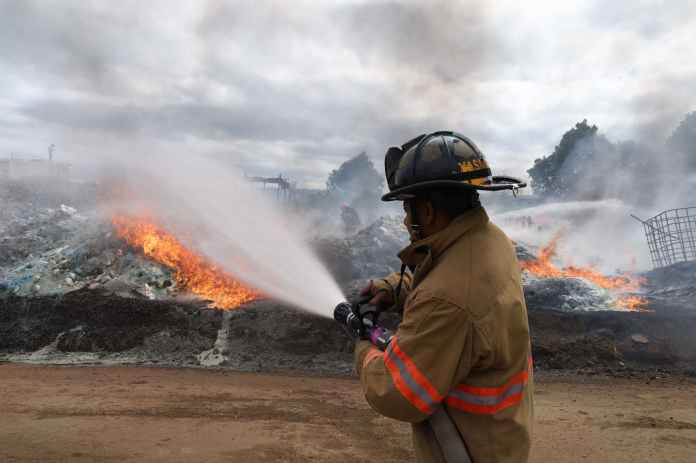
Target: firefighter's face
point(425, 218)
point(407, 217)
point(411, 206)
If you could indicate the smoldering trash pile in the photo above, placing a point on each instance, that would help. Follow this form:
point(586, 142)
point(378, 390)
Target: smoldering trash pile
point(72, 290)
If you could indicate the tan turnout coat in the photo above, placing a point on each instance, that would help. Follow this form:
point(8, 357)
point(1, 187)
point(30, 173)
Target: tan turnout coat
point(463, 344)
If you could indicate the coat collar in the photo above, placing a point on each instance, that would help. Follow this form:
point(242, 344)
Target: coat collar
point(421, 254)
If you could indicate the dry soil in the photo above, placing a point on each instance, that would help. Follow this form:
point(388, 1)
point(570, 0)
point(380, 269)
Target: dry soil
point(138, 414)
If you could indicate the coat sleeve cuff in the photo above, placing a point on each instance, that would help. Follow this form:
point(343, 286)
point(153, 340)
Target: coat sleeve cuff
point(383, 284)
point(361, 349)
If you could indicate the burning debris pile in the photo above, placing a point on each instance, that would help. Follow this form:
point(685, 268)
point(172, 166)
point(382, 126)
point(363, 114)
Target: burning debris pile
point(75, 286)
point(190, 270)
point(617, 325)
point(57, 251)
point(372, 252)
point(80, 288)
point(576, 288)
point(69, 284)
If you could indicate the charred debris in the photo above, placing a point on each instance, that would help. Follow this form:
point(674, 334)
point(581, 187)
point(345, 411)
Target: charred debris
point(72, 291)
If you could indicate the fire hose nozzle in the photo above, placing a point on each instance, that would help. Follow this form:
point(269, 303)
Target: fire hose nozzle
point(345, 315)
point(348, 315)
point(342, 311)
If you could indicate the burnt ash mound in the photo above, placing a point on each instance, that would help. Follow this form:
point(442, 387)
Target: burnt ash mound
point(371, 252)
point(572, 330)
point(91, 321)
point(566, 294)
point(673, 286)
point(267, 336)
point(613, 341)
point(681, 274)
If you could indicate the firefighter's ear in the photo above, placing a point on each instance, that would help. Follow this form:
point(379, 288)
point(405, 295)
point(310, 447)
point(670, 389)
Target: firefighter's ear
point(428, 213)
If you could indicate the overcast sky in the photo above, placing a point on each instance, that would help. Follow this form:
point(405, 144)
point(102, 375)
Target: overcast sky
point(298, 87)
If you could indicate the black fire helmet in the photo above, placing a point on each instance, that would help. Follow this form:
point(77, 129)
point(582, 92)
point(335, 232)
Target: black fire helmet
point(440, 160)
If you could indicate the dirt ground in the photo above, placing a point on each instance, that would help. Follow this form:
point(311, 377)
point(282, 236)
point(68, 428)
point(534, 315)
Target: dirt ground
point(138, 414)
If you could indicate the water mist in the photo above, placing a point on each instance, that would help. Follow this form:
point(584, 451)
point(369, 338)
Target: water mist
point(212, 209)
point(599, 234)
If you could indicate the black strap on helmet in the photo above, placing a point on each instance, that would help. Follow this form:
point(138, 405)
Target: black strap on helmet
point(416, 228)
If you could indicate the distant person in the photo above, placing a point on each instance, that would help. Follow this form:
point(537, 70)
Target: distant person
point(463, 344)
point(350, 218)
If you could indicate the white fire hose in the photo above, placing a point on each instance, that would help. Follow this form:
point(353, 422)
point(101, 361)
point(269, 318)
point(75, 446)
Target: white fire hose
point(448, 438)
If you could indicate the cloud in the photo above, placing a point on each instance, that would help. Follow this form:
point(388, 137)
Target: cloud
point(299, 88)
point(443, 42)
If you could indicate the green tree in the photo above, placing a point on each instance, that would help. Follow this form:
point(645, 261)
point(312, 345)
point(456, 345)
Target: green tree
point(357, 183)
point(355, 177)
point(557, 175)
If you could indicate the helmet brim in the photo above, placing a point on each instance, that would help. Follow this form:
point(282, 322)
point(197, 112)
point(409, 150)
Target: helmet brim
point(498, 183)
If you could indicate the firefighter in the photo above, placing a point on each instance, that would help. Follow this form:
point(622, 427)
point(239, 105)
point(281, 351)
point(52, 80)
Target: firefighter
point(463, 345)
point(350, 218)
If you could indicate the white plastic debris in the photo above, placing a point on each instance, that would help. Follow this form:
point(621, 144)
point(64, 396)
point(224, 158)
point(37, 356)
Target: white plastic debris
point(639, 338)
point(68, 210)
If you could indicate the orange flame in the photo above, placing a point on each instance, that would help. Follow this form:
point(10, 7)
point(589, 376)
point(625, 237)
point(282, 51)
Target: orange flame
point(544, 268)
point(636, 303)
point(192, 271)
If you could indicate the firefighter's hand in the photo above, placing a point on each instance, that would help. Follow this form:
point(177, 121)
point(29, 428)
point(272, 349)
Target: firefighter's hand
point(381, 297)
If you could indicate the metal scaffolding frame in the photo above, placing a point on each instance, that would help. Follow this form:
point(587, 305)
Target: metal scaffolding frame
point(282, 188)
point(671, 236)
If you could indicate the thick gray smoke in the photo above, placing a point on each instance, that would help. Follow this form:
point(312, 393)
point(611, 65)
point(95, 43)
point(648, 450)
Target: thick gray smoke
point(645, 175)
point(601, 183)
point(600, 234)
point(270, 88)
point(294, 88)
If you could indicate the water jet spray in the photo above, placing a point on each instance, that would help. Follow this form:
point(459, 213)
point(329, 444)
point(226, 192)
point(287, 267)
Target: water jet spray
point(211, 209)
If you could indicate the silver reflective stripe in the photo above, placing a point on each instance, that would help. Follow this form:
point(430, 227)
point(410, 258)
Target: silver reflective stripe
point(487, 400)
point(410, 381)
